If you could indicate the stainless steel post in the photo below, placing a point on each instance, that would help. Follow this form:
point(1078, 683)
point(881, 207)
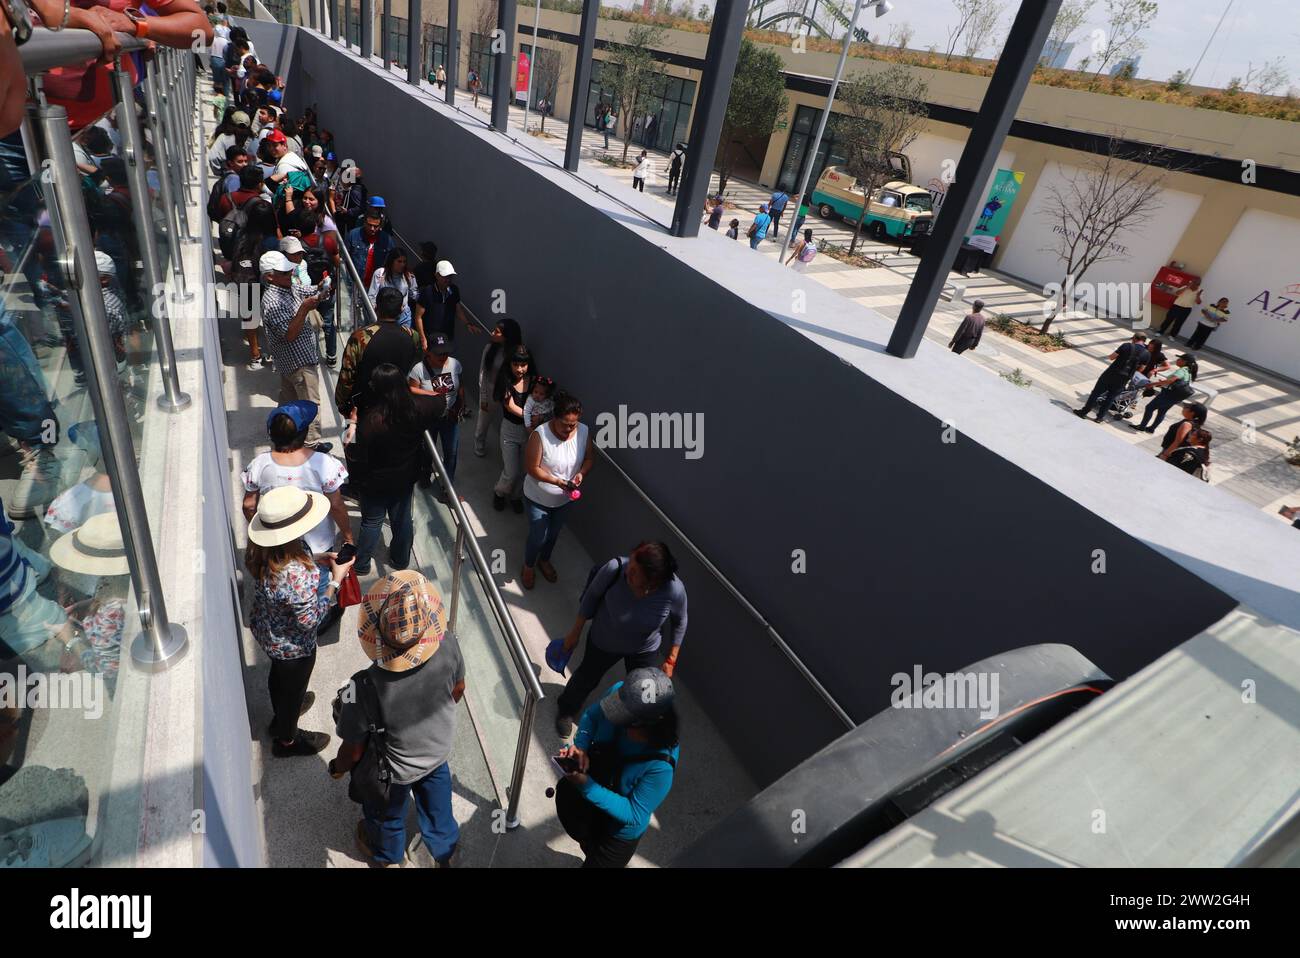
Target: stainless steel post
point(161, 157)
point(128, 124)
point(457, 560)
point(522, 743)
point(161, 642)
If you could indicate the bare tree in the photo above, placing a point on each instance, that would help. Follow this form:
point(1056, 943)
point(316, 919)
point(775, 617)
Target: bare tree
point(1265, 79)
point(982, 27)
point(884, 111)
point(900, 35)
point(1126, 21)
point(546, 68)
point(1068, 20)
point(967, 10)
point(1112, 191)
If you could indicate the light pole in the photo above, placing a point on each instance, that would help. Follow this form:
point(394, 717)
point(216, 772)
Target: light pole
point(532, 64)
point(810, 157)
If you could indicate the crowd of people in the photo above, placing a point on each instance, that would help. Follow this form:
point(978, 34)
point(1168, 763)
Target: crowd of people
point(286, 211)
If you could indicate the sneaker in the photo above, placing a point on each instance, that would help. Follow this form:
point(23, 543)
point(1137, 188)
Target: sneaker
point(517, 505)
point(547, 570)
point(253, 365)
point(330, 361)
point(37, 485)
point(307, 743)
point(308, 701)
point(564, 725)
point(498, 503)
point(57, 843)
point(267, 361)
point(1081, 413)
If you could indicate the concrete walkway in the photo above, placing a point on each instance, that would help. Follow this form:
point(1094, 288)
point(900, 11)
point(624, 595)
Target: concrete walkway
point(1253, 416)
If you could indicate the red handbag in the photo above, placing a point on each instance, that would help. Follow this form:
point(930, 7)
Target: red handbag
point(349, 590)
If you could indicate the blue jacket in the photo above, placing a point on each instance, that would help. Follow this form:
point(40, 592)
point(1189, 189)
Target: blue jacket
point(357, 245)
point(642, 785)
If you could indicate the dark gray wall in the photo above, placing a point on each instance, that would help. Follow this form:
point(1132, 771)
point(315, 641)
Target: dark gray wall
point(918, 552)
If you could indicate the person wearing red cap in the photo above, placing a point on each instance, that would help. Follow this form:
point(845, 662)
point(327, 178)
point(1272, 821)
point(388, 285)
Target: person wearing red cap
point(286, 161)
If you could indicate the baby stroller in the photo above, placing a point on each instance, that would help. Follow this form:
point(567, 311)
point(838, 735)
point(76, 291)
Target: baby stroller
point(1124, 405)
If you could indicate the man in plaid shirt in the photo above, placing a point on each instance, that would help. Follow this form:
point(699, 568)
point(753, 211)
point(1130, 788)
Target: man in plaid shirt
point(289, 339)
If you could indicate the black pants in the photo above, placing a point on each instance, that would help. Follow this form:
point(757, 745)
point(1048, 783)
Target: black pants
point(1198, 338)
point(1174, 319)
point(672, 181)
point(595, 663)
point(776, 221)
point(592, 829)
point(638, 184)
point(1159, 406)
point(1104, 393)
point(287, 685)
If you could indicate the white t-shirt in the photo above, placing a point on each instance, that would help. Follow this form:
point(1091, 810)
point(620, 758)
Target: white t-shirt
point(320, 473)
point(535, 413)
point(219, 44)
point(446, 380)
point(289, 162)
point(562, 459)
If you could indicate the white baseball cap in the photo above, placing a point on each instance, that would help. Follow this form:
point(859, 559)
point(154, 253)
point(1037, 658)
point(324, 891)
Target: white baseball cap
point(104, 264)
point(275, 262)
point(444, 268)
point(291, 244)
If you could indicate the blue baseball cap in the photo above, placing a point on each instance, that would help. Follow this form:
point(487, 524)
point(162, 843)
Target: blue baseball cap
point(378, 202)
point(301, 411)
point(556, 657)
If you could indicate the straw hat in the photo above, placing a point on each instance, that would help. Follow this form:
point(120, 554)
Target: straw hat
point(402, 621)
point(95, 548)
point(286, 513)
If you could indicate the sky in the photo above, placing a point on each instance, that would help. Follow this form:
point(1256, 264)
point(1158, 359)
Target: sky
point(1252, 32)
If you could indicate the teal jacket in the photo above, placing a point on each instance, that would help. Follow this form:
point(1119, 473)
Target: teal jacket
point(645, 780)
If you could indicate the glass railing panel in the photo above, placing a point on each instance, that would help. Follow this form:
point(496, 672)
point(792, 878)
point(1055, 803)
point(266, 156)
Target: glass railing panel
point(69, 748)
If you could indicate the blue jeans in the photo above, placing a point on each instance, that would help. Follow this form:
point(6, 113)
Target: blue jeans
point(398, 510)
point(448, 430)
point(220, 78)
point(386, 827)
point(754, 241)
point(544, 525)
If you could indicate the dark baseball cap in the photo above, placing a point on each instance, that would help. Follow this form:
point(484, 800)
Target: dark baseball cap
point(439, 344)
point(301, 411)
point(642, 698)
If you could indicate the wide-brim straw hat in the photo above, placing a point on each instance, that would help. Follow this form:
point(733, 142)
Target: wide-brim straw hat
point(94, 548)
point(402, 621)
point(286, 513)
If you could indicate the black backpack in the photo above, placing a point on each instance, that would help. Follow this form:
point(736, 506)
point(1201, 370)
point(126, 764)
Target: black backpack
point(319, 263)
point(232, 227)
point(214, 199)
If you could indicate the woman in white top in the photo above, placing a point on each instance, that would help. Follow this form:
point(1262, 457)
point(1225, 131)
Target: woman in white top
point(395, 274)
point(556, 460)
point(645, 171)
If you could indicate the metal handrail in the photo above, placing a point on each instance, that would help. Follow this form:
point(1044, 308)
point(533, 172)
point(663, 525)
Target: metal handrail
point(46, 49)
point(713, 570)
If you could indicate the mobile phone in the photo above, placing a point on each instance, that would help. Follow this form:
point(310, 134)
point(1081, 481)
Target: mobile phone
point(564, 764)
point(325, 282)
point(346, 554)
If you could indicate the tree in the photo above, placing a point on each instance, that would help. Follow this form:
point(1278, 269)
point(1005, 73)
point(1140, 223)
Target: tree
point(1068, 20)
point(969, 12)
point(757, 101)
point(900, 35)
point(1112, 191)
point(704, 13)
point(883, 112)
point(982, 27)
point(546, 77)
point(1126, 21)
point(1177, 82)
point(1265, 79)
point(635, 74)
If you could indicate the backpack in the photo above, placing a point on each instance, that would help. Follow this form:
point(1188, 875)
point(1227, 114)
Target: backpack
point(319, 262)
point(231, 227)
point(214, 199)
point(807, 253)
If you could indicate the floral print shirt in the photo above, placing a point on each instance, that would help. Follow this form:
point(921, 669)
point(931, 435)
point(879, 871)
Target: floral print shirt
point(287, 608)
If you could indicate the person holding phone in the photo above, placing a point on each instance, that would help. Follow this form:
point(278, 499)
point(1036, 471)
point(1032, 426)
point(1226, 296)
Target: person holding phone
point(292, 591)
point(620, 768)
point(557, 458)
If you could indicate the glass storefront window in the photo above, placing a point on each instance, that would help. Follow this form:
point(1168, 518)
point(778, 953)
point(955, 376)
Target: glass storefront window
point(671, 111)
point(398, 36)
point(480, 61)
point(805, 124)
point(435, 48)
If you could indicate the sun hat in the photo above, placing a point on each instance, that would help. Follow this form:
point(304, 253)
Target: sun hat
point(402, 621)
point(444, 268)
point(104, 263)
point(286, 513)
point(95, 548)
point(643, 697)
point(274, 261)
point(291, 244)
